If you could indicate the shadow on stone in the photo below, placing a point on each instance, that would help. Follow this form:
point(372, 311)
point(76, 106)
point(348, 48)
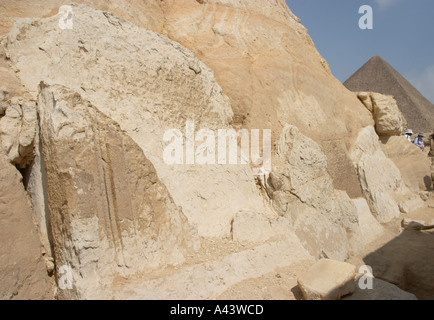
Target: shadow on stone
point(428, 182)
point(408, 262)
point(298, 295)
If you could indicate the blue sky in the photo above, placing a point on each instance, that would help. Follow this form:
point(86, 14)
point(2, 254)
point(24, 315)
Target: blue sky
point(403, 35)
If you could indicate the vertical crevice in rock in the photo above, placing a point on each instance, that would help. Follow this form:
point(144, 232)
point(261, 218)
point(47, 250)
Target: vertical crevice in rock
point(112, 207)
point(25, 172)
point(35, 182)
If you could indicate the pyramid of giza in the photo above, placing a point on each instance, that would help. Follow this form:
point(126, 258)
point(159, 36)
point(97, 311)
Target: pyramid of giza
point(377, 75)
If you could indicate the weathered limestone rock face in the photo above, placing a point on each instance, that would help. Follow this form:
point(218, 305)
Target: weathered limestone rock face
point(389, 120)
point(147, 14)
point(114, 211)
point(110, 214)
point(148, 84)
point(385, 194)
point(208, 280)
point(250, 227)
point(23, 273)
point(17, 132)
point(370, 228)
point(301, 188)
point(414, 165)
point(268, 66)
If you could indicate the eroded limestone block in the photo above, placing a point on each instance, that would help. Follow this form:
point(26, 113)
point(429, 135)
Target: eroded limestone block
point(328, 280)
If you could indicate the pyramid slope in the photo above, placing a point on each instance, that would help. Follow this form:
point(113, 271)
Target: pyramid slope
point(379, 76)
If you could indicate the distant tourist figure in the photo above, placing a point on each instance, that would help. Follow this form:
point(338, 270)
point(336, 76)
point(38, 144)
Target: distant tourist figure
point(409, 134)
point(431, 152)
point(419, 141)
